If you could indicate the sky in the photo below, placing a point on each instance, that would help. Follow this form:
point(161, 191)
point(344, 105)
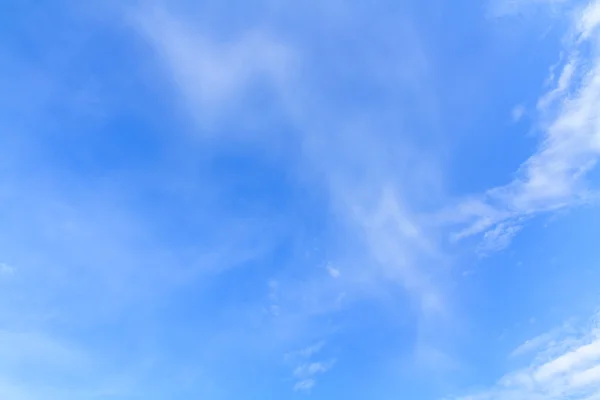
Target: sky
point(335, 199)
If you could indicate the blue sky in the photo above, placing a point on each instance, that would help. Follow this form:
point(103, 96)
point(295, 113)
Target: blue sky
point(280, 200)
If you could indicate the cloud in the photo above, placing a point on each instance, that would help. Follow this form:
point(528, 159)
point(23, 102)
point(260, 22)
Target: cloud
point(541, 342)
point(333, 272)
point(6, 269)
point(313, 368)
point(518, 112)
point(566, 367)
point(400, 246)
point(306, 352)
point(507, 8)
point(95, 246)
point(589, 21)
point(307, 374)
point(359, 159)
point(584, 355)
point(306, 370)
point(367, 207)
point(498, 237)
point(304, 385)
point(553, 177)
point(212, 75)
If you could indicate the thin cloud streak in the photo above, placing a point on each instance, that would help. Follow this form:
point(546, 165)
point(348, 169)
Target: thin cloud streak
point(566, 367)
point(554, 177)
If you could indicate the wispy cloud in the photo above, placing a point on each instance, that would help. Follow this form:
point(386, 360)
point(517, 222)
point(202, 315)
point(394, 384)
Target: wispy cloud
point(333, 272)
point(213, 75)
point(6, 269)
point(518, 112)
point(507, 8)
point(565, 367)
point(313, 368)
point(398, 244)
point(307, 369)
point(304, 385)
point(95, 240)
point(499, 237)
point(370, 209)
point(541, 342)
point(354, 157)
point(306, 352)
point(554, 177)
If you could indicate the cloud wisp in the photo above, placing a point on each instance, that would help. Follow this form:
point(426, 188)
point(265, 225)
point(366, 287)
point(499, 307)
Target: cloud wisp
point(554, 177)
point(213, 75)
point(306, 368)
point(563, 364)
point(6, 269)
point(508, 8)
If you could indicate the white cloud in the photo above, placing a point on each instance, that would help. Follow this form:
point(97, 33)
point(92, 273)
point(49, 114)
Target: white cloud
point(564, 365)
point(333, 272)
point(306, 370)
point(399, 245)
point(589, 21)
point(498, 237)
point(569, 361)
point(562, 84)
point(304, 385)
point(538, 343)
point(518, 112)
point(554, 176)
point(306, 373)
point(505, 8)
point(212, 74)
point(306, 352)
point(586, 377)
point(313, 368)
point(376, 223)
point(6, 269)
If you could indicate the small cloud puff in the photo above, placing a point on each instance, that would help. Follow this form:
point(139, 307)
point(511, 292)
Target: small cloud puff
point(518, 112)
point(333, 272)
point(6, 269)
point(314, 368)
point(304, 386)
